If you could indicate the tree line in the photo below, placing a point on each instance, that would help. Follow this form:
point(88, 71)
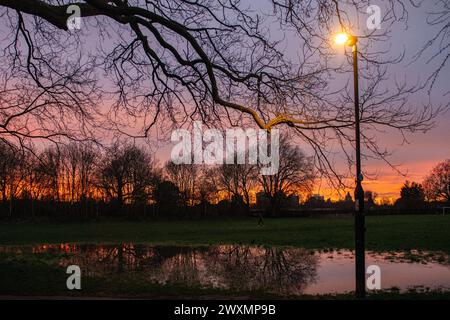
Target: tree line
point(83, 180)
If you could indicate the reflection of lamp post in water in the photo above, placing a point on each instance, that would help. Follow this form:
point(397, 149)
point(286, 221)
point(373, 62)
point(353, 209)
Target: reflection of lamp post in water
point(346, 39)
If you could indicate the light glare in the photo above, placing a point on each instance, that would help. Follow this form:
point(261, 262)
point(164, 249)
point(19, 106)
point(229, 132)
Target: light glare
point(341, 38)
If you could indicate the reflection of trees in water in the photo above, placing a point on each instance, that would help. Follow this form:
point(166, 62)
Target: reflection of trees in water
point(269, 269)
point(181, 265)
point(102, 259)
point(162, 263)
point(235, 267)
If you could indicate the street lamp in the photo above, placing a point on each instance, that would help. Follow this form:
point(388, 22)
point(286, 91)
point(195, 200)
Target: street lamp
point(349, 40)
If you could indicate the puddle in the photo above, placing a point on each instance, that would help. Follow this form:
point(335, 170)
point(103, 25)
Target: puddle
point(284, 271)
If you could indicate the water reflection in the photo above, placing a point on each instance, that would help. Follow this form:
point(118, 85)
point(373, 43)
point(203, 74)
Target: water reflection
point(285, 271)
point(269, 269)
point(230, 267)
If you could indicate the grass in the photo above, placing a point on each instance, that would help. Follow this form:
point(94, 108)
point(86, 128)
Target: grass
point(384, 233)
point(40, 274)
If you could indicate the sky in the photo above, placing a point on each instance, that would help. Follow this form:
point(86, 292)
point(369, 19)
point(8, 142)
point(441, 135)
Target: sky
point(422, 151)
point(414, 158)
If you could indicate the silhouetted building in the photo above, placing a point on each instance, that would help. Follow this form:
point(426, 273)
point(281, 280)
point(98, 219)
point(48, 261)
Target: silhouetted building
point(291, 201)
point(317, 197)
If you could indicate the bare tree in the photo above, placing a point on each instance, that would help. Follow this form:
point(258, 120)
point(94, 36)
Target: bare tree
point(32, 188)
point(49, 174)
point(87, 163)
point(228, 177)
point(126, 174)
point(184, 176)
point(238, 180)
point(46, 91)
point(437, 183)
point(295, 175)
point(437, 48)
point(78, 171)
point(11, 174)
point(207, 188)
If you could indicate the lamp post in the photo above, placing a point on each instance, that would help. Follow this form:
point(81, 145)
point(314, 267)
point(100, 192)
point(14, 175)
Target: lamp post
point(360, 268)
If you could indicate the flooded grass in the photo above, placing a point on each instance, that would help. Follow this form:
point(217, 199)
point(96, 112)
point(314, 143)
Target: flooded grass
point(226, 258)
point(134, 270)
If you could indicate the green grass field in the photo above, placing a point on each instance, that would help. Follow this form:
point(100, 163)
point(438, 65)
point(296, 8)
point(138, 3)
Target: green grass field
point(384, 233)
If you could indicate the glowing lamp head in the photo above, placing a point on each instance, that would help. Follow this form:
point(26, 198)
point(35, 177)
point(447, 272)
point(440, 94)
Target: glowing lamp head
point(344, 39)
point(341, 38)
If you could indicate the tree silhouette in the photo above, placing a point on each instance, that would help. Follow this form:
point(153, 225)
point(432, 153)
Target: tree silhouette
point(412, 196)
point(180, 60)
point(295, 174)
point(127, 174)
point(437, 183)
